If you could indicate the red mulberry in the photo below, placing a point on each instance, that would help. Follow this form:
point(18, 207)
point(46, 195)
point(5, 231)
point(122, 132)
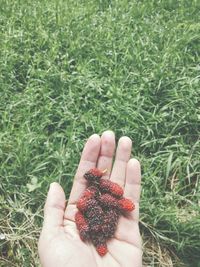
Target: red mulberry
point(90, 192)
point(107, 186)
point(82, 204)
point(126, 204)
point(82, 226)
point(122, 204)
point(99, 241)
point(102, 249)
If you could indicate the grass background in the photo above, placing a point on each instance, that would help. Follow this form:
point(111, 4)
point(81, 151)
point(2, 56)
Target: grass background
point(69, 69)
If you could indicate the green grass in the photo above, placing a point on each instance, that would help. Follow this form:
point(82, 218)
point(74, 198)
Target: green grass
point(69, 69)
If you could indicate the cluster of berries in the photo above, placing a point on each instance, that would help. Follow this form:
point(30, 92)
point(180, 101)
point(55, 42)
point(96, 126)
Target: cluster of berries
point(99, 209)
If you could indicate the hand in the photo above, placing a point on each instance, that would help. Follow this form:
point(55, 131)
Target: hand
point(60, 244)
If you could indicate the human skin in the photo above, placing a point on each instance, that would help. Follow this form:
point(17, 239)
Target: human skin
point(59, 243)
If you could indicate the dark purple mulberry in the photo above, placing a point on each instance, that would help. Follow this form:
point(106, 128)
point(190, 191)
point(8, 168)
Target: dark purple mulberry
point(93, 175)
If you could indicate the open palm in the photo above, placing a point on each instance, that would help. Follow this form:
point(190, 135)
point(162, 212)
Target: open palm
point(60, 244)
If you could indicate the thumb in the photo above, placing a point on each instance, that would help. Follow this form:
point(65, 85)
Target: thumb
point(54, 207)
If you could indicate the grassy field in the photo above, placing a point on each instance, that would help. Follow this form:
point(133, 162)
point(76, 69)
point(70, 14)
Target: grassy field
point(69, 69)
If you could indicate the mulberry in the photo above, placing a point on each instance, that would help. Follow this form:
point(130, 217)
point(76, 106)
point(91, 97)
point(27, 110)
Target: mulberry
point(102, 249)
point(99, 209)
point(91, 192)
point(94, 216)
point(99, 241)
point(93, 175)
point(107, 186)
point(122, 204)
point(108, 201)
point(84, 203)
point(110, 223)
point(82, 226)
point(126, 205)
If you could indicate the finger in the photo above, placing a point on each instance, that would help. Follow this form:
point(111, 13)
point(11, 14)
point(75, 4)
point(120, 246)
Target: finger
point(88, 160)
point(54, 206)
point(123, 153)
point(133, 180)
point(106, 152)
